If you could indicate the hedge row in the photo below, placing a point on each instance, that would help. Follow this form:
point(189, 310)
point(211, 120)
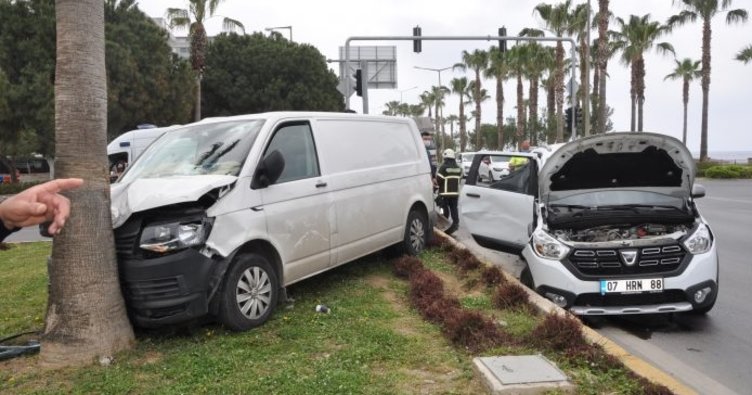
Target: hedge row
point(12, 189)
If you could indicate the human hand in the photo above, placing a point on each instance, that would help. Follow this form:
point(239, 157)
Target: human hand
point(39, 204)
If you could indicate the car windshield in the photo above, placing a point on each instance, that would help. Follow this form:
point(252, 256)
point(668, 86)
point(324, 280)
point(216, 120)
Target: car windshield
point(216, 148)
point(612, 199)
point(499, 158)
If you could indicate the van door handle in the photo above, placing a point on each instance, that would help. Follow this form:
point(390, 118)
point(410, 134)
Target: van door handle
point(320, 184)
point(473, 195)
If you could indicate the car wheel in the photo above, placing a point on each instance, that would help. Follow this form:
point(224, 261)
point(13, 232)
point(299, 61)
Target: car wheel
point(249, 293)
point(416, 233)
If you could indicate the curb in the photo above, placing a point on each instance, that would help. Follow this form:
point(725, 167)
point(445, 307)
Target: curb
point(632, 362)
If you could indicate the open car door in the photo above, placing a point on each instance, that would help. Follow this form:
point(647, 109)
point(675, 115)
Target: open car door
point(500, 213)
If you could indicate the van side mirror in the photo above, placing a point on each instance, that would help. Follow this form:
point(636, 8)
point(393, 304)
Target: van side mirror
point(698, 191)
point(268, 171)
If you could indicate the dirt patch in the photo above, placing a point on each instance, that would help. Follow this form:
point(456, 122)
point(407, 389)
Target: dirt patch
point(458, 288)
point(404, 325)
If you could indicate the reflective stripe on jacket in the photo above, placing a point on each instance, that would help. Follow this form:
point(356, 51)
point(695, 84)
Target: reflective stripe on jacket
point(448, 177)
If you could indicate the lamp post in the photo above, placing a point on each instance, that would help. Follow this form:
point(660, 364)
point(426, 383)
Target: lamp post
point(405, 90)
point(438, 116)
point(269, 29)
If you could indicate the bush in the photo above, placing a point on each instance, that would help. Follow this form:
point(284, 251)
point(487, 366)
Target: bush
point(558, 333)
point(510, 296)
point(12, 189)
point(425, 287)
point(437, 311)
point(729, 171)
point(473, 331)
point(492, 276)
point(464, 259)
point(406, 265)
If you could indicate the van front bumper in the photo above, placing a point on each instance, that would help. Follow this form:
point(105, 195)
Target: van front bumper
point(166, 290)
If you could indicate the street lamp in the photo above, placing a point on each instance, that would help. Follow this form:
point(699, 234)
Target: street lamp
point(405, 90)
point(436, 70)
point(268, 29)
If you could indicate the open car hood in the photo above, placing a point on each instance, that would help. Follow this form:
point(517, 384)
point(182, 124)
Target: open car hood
point(629, 161)
point(147, 193)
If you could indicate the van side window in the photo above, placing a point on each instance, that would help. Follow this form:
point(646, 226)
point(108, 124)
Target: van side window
point(295, 143)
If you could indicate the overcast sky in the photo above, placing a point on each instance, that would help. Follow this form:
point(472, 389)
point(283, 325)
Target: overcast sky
point(326, 24)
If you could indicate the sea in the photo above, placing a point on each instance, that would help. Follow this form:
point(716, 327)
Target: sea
point(740, 157)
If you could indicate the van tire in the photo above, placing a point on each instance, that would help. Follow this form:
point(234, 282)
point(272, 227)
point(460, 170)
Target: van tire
point(416, 233)
point(253, 280)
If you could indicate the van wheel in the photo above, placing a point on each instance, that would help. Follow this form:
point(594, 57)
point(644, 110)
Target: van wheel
point(416, 233)
point(249, 293)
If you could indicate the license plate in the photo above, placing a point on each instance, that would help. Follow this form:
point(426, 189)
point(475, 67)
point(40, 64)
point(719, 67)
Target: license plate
point(630, 286)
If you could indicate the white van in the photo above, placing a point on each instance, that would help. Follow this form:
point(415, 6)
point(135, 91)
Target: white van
point(129, 145)
point(219, 216)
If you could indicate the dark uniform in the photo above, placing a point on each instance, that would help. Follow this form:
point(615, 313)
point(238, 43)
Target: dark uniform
point(448, 177)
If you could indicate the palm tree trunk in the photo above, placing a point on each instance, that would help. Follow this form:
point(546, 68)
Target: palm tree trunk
point(559, 92)
point(463, 132)
point(602, 63)
point(520, 133)
point(633, 97)
point(478, 136)
point(594, 100)
point(685, 100)
point(197, 113)
point(706, 33)
point(500, 113)
point(640, 70)
point(551, 107)
point(86, 315)
point(533, 115)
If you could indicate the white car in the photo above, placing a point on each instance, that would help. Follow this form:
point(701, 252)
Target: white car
point(607, 226)
point(465, 159)
point(494, 167)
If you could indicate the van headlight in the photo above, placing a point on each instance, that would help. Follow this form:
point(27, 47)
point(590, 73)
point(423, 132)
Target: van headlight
point(700, 241)
point(546, 246)
point(172, 236)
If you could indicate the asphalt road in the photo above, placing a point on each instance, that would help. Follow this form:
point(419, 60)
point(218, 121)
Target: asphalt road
point(712, 353)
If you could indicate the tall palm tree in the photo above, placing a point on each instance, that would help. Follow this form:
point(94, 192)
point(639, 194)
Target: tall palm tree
point(686, 70)
point(705, 10)
point(537, 60)
point(557, 19)
point(633, 39)
point(391, 108)
point(86, 316)
point(198, 12)
point(451, 119)
point(426, 100)
point(497, 69)
point(578, 27)
point(745, 55)
point(602, 64)
point(459, 87)
point(517, 60)
point(478, 62)
point(416, 110)
point(477, 96)
point(438, 93)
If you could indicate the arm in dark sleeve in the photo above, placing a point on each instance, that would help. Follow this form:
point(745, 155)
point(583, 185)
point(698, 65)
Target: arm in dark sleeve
point(4, 232)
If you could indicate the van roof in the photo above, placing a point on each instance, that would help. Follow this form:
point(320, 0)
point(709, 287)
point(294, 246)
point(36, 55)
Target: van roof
point(280, 115)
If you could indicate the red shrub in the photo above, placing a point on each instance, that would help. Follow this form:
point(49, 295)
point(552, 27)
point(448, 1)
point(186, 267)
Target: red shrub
point(510, 296)
point(405, 265)
point(425, 285)
point(436, 311)
point(558, 333)
point(492, 275)
point(471, 330)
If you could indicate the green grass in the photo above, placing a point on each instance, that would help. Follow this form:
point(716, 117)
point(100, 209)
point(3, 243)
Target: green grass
point(370, 343)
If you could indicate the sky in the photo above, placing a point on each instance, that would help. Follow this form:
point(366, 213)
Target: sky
point(327, 24)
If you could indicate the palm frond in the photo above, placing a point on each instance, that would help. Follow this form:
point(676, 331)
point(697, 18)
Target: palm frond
point(736, 16)
point(681, 19)
point(745, 55)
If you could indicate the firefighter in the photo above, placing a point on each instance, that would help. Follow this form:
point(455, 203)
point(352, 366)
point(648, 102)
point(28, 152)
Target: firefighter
point(448, 177)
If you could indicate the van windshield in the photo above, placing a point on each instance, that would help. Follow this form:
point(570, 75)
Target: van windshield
point(216, 148)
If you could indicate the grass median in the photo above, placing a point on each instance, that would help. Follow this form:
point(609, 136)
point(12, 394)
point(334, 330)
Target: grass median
point(372, 342)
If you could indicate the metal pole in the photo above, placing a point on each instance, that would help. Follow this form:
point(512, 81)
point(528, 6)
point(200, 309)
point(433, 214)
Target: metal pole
point(364, 82)
point(586, 83)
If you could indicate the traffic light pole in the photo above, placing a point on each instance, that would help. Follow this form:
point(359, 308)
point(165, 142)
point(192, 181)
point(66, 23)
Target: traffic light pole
point(364, 84)
point(573, 98)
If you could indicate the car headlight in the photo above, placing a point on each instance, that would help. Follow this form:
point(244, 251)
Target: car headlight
point(172, 237)
point(700, 241)
point(546, 246)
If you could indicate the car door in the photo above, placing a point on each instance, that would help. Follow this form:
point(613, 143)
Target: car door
point(298, 205)
point(500, 214)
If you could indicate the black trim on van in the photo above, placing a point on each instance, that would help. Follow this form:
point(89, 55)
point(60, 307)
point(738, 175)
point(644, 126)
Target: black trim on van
point(499, 245)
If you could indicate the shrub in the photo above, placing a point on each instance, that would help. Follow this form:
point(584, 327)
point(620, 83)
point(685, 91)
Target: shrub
point(471, 330)
point(510, 296)
point(492, 276)
point(464, 259)
point(437, 310)
point(12, 189)
point(425, 287)
point(405, 265)
point(729, 171)
point(558, 333)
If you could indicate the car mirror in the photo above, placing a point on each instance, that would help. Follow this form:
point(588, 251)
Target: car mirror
point(268, 171)
point(698, 191)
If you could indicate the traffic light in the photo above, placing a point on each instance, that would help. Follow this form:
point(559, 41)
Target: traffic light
point(578, 116)
point(568, 121)
point(359, 82)
point(502, 43)
point(416, 43)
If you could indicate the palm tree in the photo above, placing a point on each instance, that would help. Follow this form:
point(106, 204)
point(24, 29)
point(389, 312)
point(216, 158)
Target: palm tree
point(459, 86)
point(745, 55)
point(537, 60)
point(416, 110)
point(451, 119)
point(578, 26)
point(557, 19)
point(478, 62)
point(706, 10)
point(86, 316)
point(517, 60)
point(426, 100)
point(200, 11)
point(686, 70)
point(438, 93)
point(498, 70)
point(391, 108)
point(477, 96)
point(633, 39)
point(602, 57)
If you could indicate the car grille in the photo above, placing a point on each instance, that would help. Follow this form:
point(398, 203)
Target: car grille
point(155, 289)
point(627, 260)
point(641, 299)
